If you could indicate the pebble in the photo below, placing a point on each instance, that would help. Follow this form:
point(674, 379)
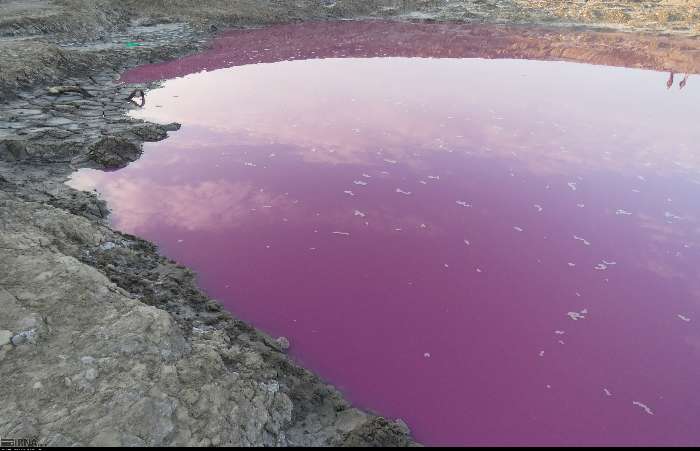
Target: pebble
point(19, 340)
point(23, 337)
point(107, 246)
point(91, 374)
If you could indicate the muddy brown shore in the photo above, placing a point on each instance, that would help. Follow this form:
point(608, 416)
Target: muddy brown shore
point(105, 342)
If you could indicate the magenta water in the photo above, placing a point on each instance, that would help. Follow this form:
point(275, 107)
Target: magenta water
point(495, 251)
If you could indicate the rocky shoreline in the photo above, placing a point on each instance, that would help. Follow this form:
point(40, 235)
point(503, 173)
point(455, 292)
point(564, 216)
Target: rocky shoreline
point(102, 340)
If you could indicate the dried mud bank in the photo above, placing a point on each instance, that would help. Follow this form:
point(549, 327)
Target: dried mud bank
point(102, 340)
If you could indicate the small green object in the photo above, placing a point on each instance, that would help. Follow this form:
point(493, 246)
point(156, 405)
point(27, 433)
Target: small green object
point(133, 44)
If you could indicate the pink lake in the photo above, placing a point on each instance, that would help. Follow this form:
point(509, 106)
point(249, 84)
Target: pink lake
point(496, 251)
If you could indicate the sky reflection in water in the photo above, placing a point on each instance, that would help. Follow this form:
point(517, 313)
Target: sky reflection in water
point(499, 252)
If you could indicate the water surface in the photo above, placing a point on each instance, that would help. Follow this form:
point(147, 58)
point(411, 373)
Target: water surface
point(496, 251)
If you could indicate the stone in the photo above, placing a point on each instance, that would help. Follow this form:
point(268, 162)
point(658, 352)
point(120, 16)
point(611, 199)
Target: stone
point(87, 360)
point(150, 132)
point(18, 340)
point(283, 343)
point(171, 127)
point(112, 152)
point(27, 336)
point(107, 246)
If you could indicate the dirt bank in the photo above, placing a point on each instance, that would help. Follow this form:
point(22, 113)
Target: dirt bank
point(105, 342)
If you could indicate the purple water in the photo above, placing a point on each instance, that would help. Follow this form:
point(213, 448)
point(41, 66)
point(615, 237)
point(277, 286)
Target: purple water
point(496, 251)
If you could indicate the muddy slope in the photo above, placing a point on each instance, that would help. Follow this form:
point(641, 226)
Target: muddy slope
point(102, 340)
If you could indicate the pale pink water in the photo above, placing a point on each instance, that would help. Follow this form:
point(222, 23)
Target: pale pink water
point(540, 283)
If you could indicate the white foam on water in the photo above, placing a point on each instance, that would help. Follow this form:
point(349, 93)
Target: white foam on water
point(572, 185)
point(422, 182)
point(580, 205)
point(684, 318)
point(571, 264)
point(360, 182)
point(349, 193)
point(559, 332)
point(623, 212)
point(399, 190)
point(585, 241)
point(671, 216)
point(607, 392)
point(390, 161)
point(341, 233)
point(463, 203)
point(434, 177)
point(467, 242)
point(541, 353)
point(367, 176)
point(577, 315)
point(249, 164)
point(359, 213)
point(518, 229)
point(538, 207)
point(426, 355)
point(643, 406)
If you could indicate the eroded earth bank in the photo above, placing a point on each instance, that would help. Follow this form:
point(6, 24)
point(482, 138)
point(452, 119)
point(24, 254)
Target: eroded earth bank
point(104, 341)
